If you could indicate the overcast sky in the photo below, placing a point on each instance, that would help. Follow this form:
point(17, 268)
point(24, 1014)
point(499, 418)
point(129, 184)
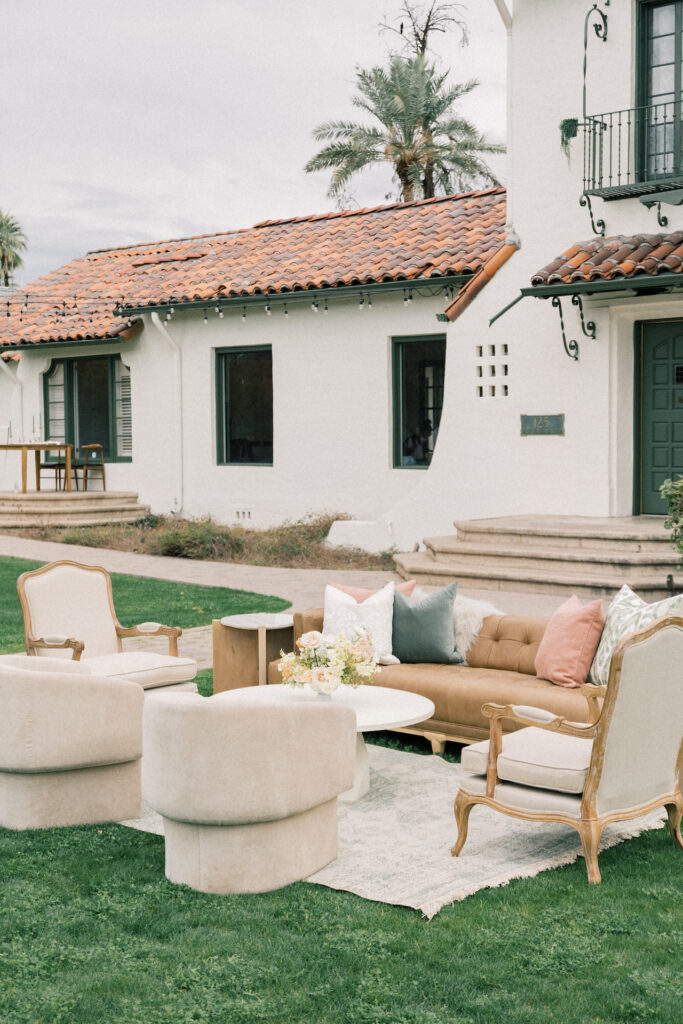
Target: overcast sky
point(135, 120)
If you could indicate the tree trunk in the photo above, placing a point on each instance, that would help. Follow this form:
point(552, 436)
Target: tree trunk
point(428, 182)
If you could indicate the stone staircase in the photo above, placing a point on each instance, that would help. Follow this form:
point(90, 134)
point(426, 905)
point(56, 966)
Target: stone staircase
point(63, 508)
point(568, 555)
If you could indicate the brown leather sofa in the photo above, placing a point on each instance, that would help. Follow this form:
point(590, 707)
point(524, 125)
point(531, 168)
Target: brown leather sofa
point(499, 670)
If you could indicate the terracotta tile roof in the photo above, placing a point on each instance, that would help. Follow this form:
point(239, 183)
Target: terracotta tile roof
point(616, 258)
point(403, 241)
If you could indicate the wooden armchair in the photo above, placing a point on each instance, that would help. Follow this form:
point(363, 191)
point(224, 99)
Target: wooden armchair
point(625, 764)
point(68, 611)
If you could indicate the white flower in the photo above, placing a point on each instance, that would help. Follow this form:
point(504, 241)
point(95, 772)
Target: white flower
point(323, 680)
point(310, 641)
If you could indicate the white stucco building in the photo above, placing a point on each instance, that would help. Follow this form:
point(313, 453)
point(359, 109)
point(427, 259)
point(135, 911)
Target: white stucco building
point(377, 408)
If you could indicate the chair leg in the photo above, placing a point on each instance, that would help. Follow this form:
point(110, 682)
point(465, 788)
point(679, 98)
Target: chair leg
point(590, 832)
point(462, 817)
point(675, 813)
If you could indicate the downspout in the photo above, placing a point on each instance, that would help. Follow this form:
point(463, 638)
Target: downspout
point(177, 351)
point(478, 280)
point(14, 377)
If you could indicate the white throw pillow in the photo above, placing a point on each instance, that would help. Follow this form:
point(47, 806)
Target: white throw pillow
point(468, 615)
point(626, 614)
point(343, 614)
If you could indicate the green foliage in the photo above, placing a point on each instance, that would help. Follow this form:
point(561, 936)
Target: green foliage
point(137, 599)
point(12, 244)
point(195, 538)
point(430, 148)
point(569, 129)
point(672, 492)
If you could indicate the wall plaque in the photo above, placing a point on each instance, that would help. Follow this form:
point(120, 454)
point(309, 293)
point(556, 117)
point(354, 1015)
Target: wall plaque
point(532, 425)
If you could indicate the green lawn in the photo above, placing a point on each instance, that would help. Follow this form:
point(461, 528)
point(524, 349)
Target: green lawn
point(92, 933)
point(137, 599)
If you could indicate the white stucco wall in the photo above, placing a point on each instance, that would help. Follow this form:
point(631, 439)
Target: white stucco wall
point(482, 466)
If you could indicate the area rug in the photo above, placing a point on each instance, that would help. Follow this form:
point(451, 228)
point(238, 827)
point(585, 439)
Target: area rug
point(394, 844)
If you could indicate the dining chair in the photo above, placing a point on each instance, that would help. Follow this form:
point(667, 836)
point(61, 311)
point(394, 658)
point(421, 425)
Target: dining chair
point(92, 462)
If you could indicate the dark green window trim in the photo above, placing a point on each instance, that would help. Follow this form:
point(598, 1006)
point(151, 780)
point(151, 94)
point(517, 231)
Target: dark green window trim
point(398, 427)
point(642, 92)
point(221, 440)
point(68, 365)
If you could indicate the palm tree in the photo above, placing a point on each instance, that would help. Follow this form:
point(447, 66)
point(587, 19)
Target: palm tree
point(12, 243)
point(432, 150)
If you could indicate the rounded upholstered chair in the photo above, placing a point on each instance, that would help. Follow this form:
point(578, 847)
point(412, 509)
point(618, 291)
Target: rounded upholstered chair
point(70, 745)
point(248, 793)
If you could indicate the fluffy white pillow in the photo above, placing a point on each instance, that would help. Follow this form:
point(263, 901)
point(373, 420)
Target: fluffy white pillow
point(626, 614)
point(343, 614)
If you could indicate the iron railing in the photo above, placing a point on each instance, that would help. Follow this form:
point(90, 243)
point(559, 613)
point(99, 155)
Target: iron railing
point(633, 152)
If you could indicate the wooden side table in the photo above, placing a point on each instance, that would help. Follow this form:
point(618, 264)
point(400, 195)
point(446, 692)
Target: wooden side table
point(243, 645)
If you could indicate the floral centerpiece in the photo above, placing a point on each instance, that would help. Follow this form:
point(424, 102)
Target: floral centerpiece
point(326, 662)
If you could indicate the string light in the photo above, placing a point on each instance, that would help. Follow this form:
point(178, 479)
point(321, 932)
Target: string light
point(405, 298)
point(206, 317)
point(369, 302)
point(286, 312)
point(314, 305)
point(268, 309)
point(325, 311)
point(361, 302)
point(244, 314)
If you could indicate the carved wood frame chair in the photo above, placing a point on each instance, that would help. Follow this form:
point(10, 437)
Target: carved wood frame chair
point(36, 643)
point(636, 760)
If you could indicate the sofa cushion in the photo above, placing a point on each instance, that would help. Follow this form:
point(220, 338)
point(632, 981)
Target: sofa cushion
point(536, 757)
point(361, 594)
point(144, 668)
point(459, 691)
point(508, 642)
point(569, 643)
point(424, 630)
point(626, 614)
point(343, 614)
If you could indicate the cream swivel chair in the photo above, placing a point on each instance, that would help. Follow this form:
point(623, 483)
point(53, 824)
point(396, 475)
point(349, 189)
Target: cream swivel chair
point(624, 765)
point(248, 792)
point(69, 612)
point(70, 745)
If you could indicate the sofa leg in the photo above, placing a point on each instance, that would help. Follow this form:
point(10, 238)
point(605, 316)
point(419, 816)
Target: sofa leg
point(438, 745)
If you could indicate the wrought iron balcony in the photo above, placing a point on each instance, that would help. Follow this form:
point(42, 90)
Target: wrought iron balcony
point(633, 152)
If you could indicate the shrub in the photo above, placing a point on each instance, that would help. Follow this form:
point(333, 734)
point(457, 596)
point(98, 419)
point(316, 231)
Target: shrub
point(672, 492)
point(195, 538)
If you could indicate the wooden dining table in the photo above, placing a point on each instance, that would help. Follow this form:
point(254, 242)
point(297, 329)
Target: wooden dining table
point(39, 446)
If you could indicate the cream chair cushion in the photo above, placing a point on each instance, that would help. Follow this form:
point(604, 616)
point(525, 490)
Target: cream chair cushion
point(86, 615)
point(146, 669)
point(526, 798)
point(536, 757)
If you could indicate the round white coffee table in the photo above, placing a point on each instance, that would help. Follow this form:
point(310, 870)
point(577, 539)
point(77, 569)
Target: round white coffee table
point(376, 707)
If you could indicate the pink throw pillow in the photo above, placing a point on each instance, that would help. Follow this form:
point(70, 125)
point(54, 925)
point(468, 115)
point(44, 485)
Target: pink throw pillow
point(360, 594)
point(569, 643)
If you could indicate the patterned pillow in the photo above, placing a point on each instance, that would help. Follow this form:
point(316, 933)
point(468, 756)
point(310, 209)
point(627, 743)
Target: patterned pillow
point(627, 614)
point(343, 614)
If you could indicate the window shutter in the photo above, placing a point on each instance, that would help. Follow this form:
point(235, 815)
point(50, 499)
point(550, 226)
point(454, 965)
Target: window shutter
point(56, 404)
point(124, 421)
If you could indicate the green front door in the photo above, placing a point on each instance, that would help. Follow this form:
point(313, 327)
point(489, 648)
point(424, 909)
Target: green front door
point(661, 411)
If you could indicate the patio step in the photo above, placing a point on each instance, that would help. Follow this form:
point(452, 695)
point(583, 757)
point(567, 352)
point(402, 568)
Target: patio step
point(77, 508)
point(553, 555)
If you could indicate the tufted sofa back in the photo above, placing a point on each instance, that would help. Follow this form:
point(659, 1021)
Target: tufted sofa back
point(508, 642)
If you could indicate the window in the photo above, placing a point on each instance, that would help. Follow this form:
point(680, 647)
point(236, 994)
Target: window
point(87, 401)
point(660, 88)
point(244, 406)
point(418, 375)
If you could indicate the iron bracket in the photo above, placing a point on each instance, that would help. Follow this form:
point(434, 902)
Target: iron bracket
point(571, 347)
point(598, 226)
point(587, 326)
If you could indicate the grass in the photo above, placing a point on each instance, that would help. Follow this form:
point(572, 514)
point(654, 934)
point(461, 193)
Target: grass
point(92, 933)
point(292, 545)
point(137, 599)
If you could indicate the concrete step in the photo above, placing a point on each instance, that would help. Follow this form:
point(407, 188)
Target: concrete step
point(596, 561)
point(429, 572)
point(77, 508)
point(641, 533)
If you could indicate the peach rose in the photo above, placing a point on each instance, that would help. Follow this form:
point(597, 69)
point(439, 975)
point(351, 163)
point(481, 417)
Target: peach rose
point(309, 641)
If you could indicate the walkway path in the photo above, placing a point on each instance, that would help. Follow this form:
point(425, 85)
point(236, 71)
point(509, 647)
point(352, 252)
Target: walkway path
point(303, 588)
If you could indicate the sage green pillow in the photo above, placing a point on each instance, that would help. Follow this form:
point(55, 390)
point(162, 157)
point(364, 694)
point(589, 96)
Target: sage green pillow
point(424, 631)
